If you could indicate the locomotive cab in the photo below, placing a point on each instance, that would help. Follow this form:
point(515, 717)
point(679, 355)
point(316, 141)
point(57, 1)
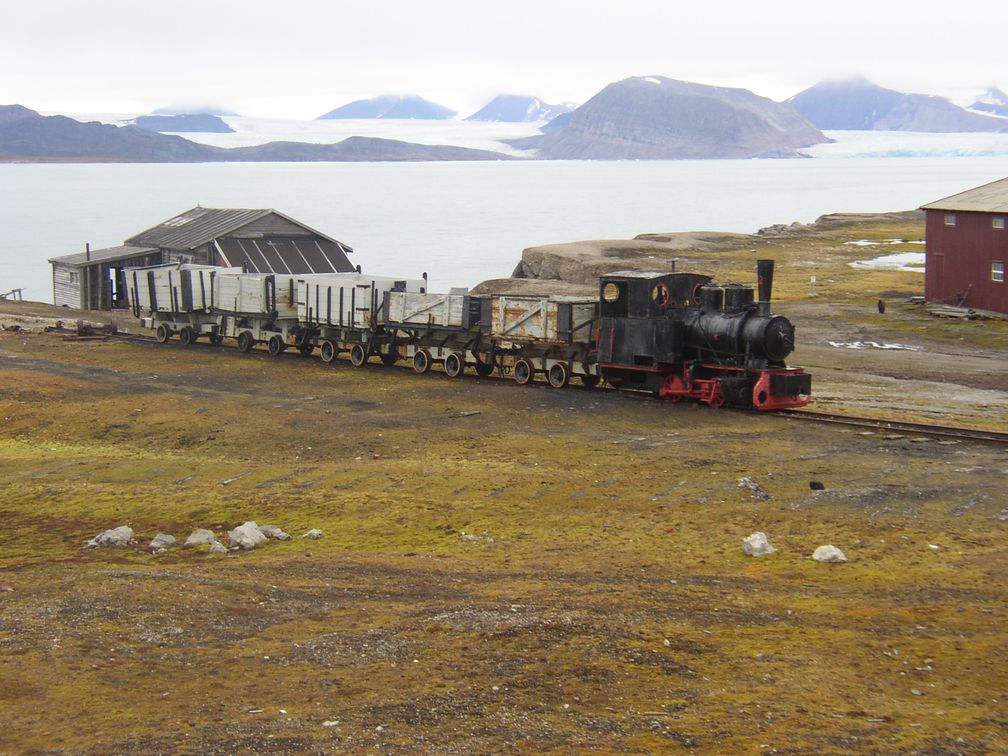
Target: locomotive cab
point(640, 339)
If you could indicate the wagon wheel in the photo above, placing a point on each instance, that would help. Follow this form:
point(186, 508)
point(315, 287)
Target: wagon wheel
point(454, 365)
point(523, 372)
point(163, 333)
point(246, 341)
point(421, 361)
point(187, 336)
point(558, 375)
point(358, 355)
point(329, 351)
point(590, 381)
point(483, 369)
point(276, 346)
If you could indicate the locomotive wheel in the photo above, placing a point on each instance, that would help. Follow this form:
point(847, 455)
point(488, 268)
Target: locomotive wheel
point(246, 341)
point(523, 372)
point(389, 359)
point(558, 375)
point(216, 338)
point(329, 351)
point(483, 369)
point(590, 381)
point(163, 333)
point(187, 336)
point(276, 346)
point(306, 349)
point(358, 356)
point(454, 365)
point(421, 361)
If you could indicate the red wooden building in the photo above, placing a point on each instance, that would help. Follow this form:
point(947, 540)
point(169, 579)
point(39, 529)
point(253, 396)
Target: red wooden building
point(967, 248)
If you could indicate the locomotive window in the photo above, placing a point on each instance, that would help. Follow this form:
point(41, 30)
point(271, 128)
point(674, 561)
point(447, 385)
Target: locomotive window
point(610, 292)
point(660, 295)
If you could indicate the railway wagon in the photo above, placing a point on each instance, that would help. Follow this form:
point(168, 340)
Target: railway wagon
point(176, 299)
point(257, 307)
point(554, 336)
point(345, 312)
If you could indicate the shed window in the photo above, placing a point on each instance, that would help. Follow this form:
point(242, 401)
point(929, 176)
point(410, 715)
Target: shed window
point(950, 219)
point(74, 277)
point(997, 272)
point(997, 222)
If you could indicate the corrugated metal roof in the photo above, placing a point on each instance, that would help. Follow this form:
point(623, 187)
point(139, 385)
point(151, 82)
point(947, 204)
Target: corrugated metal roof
point(109, 254)
point(989, 198)
point(196, 227)
point(279, 254)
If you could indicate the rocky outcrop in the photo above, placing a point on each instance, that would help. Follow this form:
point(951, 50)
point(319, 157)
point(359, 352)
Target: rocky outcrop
point(359, 149)
point(392, 106)
point(857, 104)
point(582, 263)
point(993, 101)
point(655, 118)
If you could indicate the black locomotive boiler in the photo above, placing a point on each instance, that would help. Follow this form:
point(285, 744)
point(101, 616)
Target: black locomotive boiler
point(682, 337)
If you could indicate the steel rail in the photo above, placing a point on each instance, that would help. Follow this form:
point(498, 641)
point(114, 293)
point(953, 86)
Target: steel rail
point(901, 426)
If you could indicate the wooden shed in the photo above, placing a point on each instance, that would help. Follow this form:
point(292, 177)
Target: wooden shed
point(967, 248)
point(260, 241)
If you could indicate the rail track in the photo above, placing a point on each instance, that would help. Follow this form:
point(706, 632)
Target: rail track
point(890, 426)
point(902, 427)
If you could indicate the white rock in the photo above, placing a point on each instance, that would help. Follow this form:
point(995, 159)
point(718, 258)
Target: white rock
point(757, 545)
point(272, 531)
point(201, 535)
point(314, 534)
point(247, 535)
point(829, 553)
point(754, 488)
point(218, 548)
point(118, 537)
point(162, 541)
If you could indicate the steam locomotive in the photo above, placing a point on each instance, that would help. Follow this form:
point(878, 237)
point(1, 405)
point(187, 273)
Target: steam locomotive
point(676, 335)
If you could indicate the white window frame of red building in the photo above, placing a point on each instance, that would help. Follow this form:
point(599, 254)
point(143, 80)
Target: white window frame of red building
point(997, 271)
point(950, 219)
point(997, 222)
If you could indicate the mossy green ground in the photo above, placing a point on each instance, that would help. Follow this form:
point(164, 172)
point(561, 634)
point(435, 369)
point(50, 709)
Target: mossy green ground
point(599, 599)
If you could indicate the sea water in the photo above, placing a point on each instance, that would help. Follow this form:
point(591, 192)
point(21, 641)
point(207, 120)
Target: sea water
point(461, 223)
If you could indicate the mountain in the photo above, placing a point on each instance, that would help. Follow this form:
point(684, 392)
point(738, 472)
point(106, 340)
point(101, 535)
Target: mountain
point(654, 118)
point(507, 108)
point(27, 136)
point(993, 101)
point(186, 122)
point(24, 134)
point(359, 149)
point(392, 106)
point(173, 110)
point(857, 104)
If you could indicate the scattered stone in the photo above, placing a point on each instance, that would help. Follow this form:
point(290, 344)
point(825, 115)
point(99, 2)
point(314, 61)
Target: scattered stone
point(917, 692)
point(201, 535)
point(6, 588)
point(314, 534)
point(757, 545)
point(162, 541)
point(934, 547)
point(218, 548)
point(247, 535)
point(116, 537)
point(483, 537)
point(331, 723)
point(272, 531)
point(754, 488)
point(829, 553)
point(816, 485)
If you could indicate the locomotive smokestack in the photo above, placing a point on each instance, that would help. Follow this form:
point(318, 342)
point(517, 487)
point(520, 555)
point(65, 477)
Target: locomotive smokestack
point(764, 277)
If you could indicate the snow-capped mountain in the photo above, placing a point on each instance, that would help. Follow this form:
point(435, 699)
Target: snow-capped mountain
point(508, 108)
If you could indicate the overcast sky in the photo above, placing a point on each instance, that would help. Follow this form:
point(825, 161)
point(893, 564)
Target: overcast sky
point(300, 58)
